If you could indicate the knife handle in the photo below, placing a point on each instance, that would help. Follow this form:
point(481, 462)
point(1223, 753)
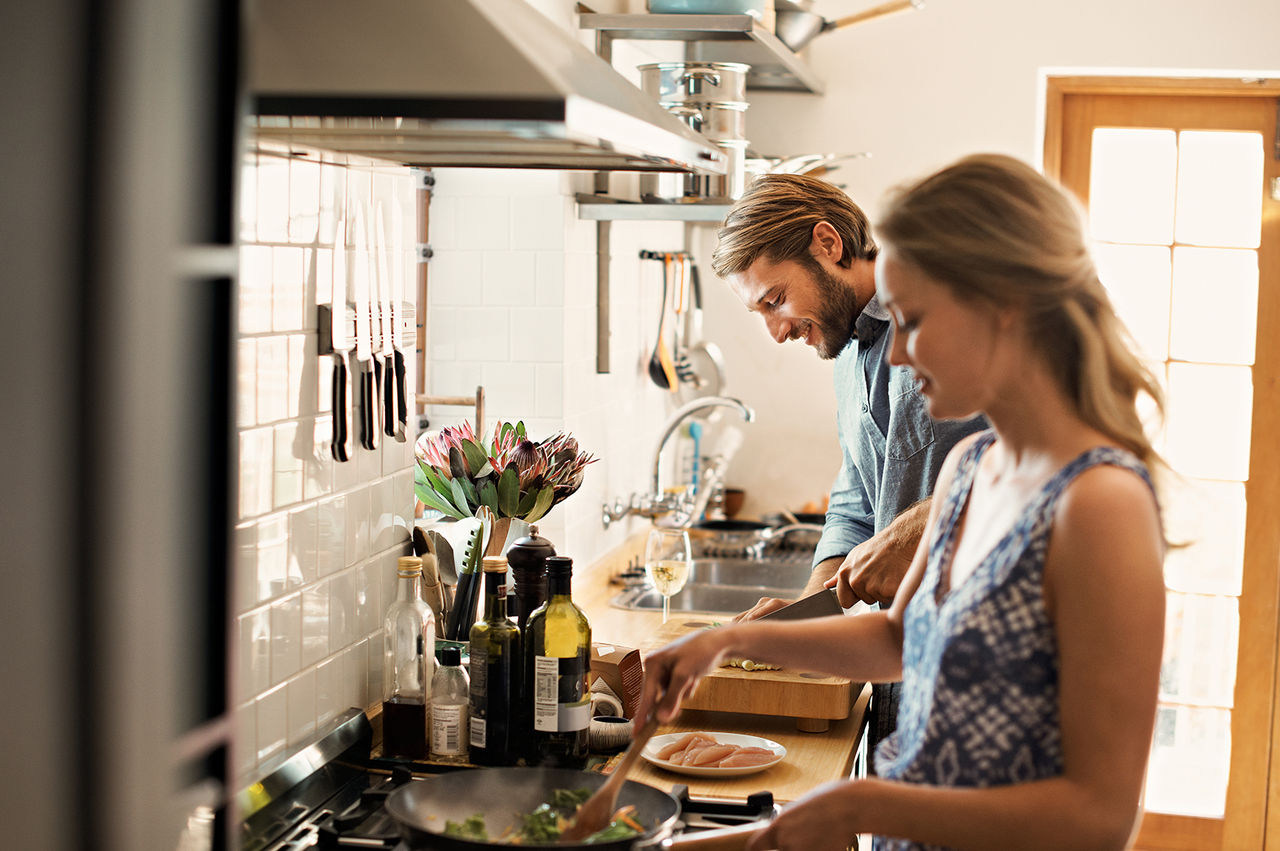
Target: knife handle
point(388, 397)
point(341, 445)
point(402, 404)
point(368, 405)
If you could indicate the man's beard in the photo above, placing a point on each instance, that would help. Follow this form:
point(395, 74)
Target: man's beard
point(836, 315)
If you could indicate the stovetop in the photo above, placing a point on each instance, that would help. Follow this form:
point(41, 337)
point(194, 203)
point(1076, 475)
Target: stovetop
point(331, 794)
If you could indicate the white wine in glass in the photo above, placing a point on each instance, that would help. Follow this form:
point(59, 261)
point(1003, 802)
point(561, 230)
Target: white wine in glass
point(666, 561)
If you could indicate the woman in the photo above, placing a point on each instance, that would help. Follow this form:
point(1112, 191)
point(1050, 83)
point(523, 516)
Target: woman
point(1028, 630)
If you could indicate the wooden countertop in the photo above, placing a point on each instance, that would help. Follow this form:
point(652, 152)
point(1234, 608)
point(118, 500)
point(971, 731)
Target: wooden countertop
point(812, 758)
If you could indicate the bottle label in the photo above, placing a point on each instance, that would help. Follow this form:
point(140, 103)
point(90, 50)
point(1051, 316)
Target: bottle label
point(447, 723)
point(561, 703)
point(478, 738)
point(479, 670)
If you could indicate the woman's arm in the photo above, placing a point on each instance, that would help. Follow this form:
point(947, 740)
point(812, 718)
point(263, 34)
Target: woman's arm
point(1105, 591)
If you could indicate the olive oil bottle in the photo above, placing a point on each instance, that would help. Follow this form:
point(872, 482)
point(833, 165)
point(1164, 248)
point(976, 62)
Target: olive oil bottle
point(557, 659)
point(495, 674)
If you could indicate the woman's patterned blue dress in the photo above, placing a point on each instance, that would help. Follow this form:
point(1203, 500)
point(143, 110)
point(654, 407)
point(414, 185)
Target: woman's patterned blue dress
point(980, 664)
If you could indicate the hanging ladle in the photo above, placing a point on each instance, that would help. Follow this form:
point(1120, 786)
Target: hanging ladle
point(661, 365)
point(796, 28)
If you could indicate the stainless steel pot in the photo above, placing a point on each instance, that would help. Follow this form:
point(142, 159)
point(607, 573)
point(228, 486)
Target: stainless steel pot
point(724, 121)
point(694, 188)
point(695, 82)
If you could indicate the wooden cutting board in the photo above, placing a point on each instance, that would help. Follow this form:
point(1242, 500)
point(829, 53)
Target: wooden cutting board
point(811, 698)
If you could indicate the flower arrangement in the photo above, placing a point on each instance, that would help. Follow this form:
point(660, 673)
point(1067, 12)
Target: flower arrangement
point(516, 477)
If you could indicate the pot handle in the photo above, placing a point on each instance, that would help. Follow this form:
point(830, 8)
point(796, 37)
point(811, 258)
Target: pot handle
point(721, 839)
point(691, 79)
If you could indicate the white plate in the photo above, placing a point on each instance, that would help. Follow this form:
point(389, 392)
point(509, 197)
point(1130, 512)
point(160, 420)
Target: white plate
point(657, 743)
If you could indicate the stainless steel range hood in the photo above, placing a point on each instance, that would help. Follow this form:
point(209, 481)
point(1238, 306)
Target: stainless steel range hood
point(452, 83)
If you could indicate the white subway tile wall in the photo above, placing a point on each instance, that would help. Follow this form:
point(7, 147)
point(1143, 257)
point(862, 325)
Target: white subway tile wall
point(512, 307)
point(316, 540)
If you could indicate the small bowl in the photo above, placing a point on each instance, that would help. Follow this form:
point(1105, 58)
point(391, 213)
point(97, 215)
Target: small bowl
point(609, 733)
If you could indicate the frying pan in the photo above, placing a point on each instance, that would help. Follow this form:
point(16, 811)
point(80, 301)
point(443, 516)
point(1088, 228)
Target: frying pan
point(501, 795)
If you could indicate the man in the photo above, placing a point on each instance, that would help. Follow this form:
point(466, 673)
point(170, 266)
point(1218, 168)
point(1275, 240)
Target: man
point(799, 252)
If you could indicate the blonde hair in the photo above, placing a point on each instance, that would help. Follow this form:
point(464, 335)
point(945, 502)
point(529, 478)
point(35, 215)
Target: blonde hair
point(775, 219)
point(993, 229)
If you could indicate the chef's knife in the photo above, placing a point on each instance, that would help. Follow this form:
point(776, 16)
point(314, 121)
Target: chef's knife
point(388, 368)
point(368, 378)
point(817, 605)
point(397, 303)
point(341, 341)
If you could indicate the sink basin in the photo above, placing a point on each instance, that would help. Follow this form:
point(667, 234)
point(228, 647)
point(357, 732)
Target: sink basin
point(724, 585)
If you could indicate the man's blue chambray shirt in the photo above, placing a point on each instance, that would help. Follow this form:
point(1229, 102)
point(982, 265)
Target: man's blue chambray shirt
point(892, 450)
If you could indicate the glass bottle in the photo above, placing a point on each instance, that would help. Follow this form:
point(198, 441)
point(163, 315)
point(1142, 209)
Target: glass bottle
point(408, 654)
point(450, 708)
point(495, 673)
point(557, 659)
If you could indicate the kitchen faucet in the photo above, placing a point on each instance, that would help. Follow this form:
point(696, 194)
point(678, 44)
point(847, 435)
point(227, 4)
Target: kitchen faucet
point(655, 502)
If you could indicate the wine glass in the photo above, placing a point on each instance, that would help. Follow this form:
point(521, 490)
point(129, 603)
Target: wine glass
point(666, 561)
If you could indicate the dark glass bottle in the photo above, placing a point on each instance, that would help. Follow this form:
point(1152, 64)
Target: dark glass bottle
point(557, 658)
point(495, 674)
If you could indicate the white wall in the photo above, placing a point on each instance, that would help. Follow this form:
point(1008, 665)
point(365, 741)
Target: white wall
point(919, 90)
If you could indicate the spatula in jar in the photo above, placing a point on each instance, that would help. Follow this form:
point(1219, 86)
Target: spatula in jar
point(596, 812)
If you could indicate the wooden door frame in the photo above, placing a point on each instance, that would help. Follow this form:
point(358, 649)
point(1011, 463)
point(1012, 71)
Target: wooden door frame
point(1252, 791)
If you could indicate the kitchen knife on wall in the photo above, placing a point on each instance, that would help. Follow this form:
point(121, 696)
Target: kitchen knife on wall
point(367, 377)
point(387, 355)
point(340, 338)
point(397, 319)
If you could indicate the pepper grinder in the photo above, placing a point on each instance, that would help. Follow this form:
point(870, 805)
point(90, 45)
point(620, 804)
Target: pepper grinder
point(527, 558)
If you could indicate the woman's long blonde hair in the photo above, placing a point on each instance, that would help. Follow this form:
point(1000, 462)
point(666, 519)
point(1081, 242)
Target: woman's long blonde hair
point(993, 229)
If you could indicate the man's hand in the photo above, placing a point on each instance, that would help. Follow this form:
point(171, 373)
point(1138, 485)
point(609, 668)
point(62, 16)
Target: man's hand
point(871, 573)
point(873, 570)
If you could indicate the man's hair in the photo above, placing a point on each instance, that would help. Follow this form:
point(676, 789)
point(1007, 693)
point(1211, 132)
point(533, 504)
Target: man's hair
point(775, 219)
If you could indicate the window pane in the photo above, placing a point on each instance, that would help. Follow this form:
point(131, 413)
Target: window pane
point(1209, 419)
point(1209, 518)
point(1215, 305)
point(1189, 763)
point(1137, 280)
point(1200, 636)
point(1132, 185)
point(1220, 188)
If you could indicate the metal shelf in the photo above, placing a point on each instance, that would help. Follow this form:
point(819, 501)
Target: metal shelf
point(718, 38)
point(604, 208)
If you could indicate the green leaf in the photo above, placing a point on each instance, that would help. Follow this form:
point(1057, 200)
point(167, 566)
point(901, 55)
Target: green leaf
point(438, 482)
point(526, 502)
point(473, 498)
point(509, 491)
point(476, 457)
point(520, 429)
point(542, 505)
point(433, 500)
point(486, 470)
point(460, 497)
point(489, 496)
point(507, 428)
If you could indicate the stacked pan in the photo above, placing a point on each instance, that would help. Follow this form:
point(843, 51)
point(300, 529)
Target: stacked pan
point(710, 97)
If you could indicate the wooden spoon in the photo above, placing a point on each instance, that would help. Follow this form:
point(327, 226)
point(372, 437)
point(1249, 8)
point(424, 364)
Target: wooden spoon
point(595, 813)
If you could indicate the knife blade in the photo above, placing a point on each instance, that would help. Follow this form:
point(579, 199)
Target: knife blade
point(368, 377)
point(388, 368)
point(397, 296)
point(341, 444)
point(817, 605)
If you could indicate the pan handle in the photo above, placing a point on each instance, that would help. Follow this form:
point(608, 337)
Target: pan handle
point(721, 839)
point(875, 12)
